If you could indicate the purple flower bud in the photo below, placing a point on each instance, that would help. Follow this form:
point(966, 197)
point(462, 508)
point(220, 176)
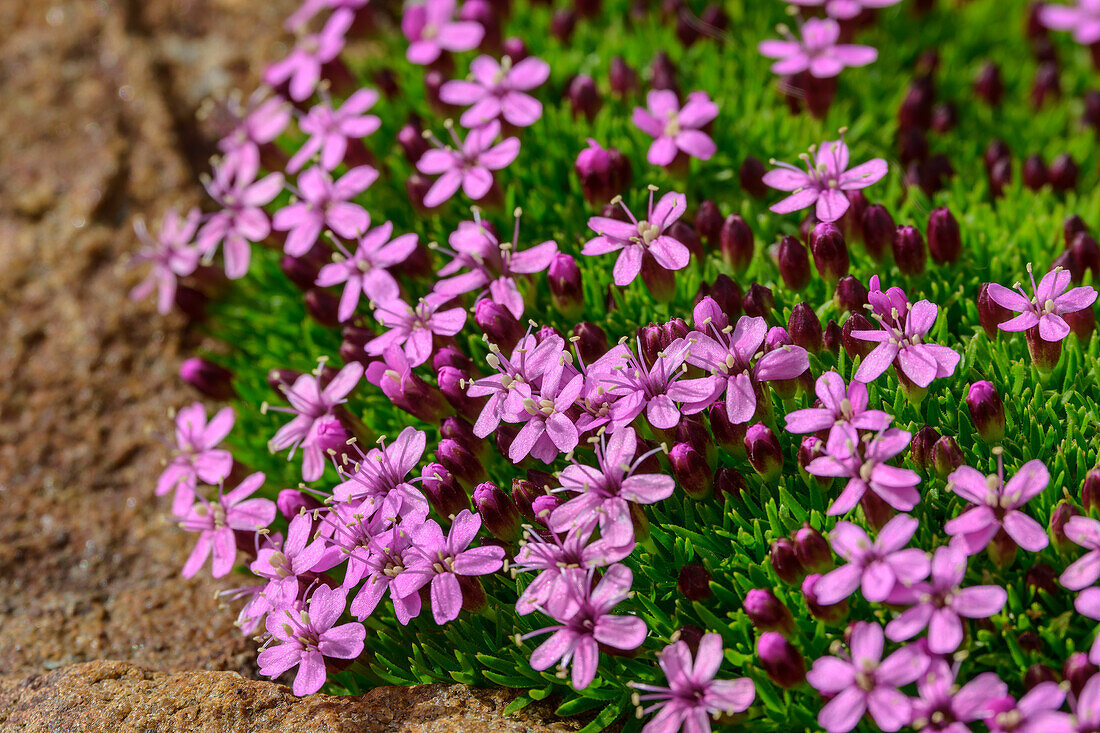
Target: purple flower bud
point(990, 313)
point(291, 502)
point(503, 436)
point(590, 341)
point(1085, 254)
point(498, 513)
point(1090, 490)
point(1071, 227)
point(1041, 576)
point(996, 150)
point(1058, 518)
point(460, 461)
point(587, 8)
point(412, 142)
point(1044, 354)
point(920, 447)
point(834, 614)
point(805, 328)
point(727, 294)
point(794, 263)
point(735, 241)
point(543, 506)
point(851, 222)
point(715, 17)
point(946, 456)
point(691, 471)
point(785, 562)
point(650, 342)
point(690, 635)
point(853, 346)
point(692, 431)
point(944, 118)
point(208, 378)
point(1077, 671)
point(909, 254)
point(663, 73)
point(729, 436)
point(443, 492)
point(1092, 108)
point(916, 107)
point(708, 222)
point(758, 301)
point(1047, 84)
point(764, 452)
point(515, 49)
point(988, 86)
point(833, 337)
point(452, 383)
point(751, 176)
point(461, 431)
point(851, 295)
point(562, 24)
point(1063, 173)
point(1035, 172)
point(694, 582)
point(780, 660)
point(566, 290)
point(302, 271)
point(944, 239)
point(912, 146)
point(323, 307)
point(1038, 673)
point(623, 78)
point(583, 96)
point(524, 493)
point(766, 612)
point(728, 484)
point(417, 186)
point(498, 324)
point(878, 230)
point(685, 234)
point(987, 411)
point(812, 549)
point(660, 282)
point(1000, 177)
point(451, 356)
point(819, 95)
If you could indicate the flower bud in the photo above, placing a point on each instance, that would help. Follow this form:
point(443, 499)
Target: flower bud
point(543, 506)
point(323, 307)
point(291, 503)
point(691, 471)
point(452, 383)
point(1047, 84)
point(660, 282)
point(208, 378)
point(498, 513)
point(515, 49)
point(833, 614)
point(819, 95)
point(692, 431)
point(920, 447)
point(794, 263)
point(758, 301)
point(498, 324)
point(833, 337)
point(727, 294)
point(852, 345)
point(728, 436)
point(448, 356)
point(785, 562)
point(851, 295)
point(650, 342)
point(708, 222)
point(1035, 172)
point(728, 484)
point(1092, 108)
point(1037, 674)
point(1085, 256)
point(809, 449)
point(878, 230)
point(1058, 518)
point(812, 549)
point(583, 96)
point(590, 341)
point(751, 177)
point(946, 456)
point(1063, 173)
point(685, 234)
point(1077, 671)
point(735, 240)
point(1044, 354)
point(987, 411)
point(912, 146)
point(623, 78)
point(1041, 576)
point(805, 328)
point(996, 150)
point(302, 271)
point(1000, 177)
point(944, 239)
point(851, 222)
point(1090, 490)
point(763, 451)
point(944, 117)
point(566, 289)
point(780, 660)
point(988, 87)
point(352, 348)
point(594, 170)
point(694, 582)
point(412, 142)
point(460, 461)
point(562, 24)
point(1071, 227)
point(443, 492)
point(990, 313)
point(766, 612)
point(1002, 550)
point(663, 73)
point(909, 254)
point(460, 430)
point(916, 107)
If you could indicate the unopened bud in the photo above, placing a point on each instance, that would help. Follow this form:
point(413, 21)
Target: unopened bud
point(944, 239)
point(735, 241)
point(852, 345)
point(991, 313)
point(764, 451)
point(208, 378)
point(758, 301)
point(694, 582)
point(878, 230)
point(566, 288)
point(751, 176)
point(766, 612)
point(812, 549)
point(804, 328)
point(834, 614)
point(946, 456)
point(460, 461)
point(498, 514)
point(785, 562)
point(442, 491)
point(920, 447)
point(909, 251)
point(1090, 490)
point(794, 263)
point(590, 341)
point(851, 294)
point(498, 324)
point(780, 660)
point(988, 87)
point(691, 471)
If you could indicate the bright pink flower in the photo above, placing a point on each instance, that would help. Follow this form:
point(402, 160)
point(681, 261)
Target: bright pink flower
point(1085, 571)
point(1033, 712)
point(864, 682)
point(845, 9)
point(413, 328)
point(693, 696)
point(215, 522)
point(196, 457)
point(876, 566)
point(431, 29)
point(635, 239)
point(901, 342)
point(307, 638)
point(863, 461)
point(381, 477)
point(241, 221)
point(636, 387)
point(826, 178)
point(171, 255)
point(1045, 310)
point(283, 564)
point(946, 707)
point(516, 377)
point(468, 165)
point(997, 506)
point(329, 130)
point(817, 51)
point(938, 603)
point(325, 203)
point(256, 122)
point(1082, 19)
point(585, 621)
point(497, 89)
point(548, 425)
point(302, 67)
point(676, 129)
point(394, 376)
point(839, 405)
point(310, 8)
point(391, 555)
point(364, 271)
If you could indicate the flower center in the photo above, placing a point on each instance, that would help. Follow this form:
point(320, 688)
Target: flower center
point(648, 232)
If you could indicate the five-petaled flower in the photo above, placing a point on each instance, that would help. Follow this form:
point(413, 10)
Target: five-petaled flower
point(862, 459)
point(330, 129)
point(431, 29)
point(196, 457)
point(635, 239)
point(324, 203)
point(825, 180)
point(839, 405)
point(363, 272)
point(1046, 308)
point(498, 89)
point(414, 327)
point(171, 255)
point(817, 51)
point(216, 521)
point(302, 66)
point(674, 129)
point(241, 221)
point(469, 165)
point(997, 507)
point(876, 567)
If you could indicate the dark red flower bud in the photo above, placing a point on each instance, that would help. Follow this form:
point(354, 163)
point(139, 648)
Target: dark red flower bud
point(692, 431)
point(1090, 490)
point(751, 176)
point(780, 660)
point(916, 107)
point(758, 301)
point(727, 294)
point(1041, 576)
point(1037, 674)
point(498, 514)
point(852, 345)
point(1063, 173)
point(323, 307)
point(1029, 641)
point(650, 342)
point(944, 239)
point(810, 449)
point(1092, 108)
point(833, 337)
point(694, 582)
point(663, 73)
point(764, 451)
point(812, 549)
point(590, 341)
point(851, 295)
point(416, 186)
point(735, 240)
point(1058, 518)
point(944, 117)
point(443, 492)
point(1035, 172)
point(1044, 354)
point(988, 87)
point(909, 251)
point(819, 95)
point(833, 614)
point(685, 234)
point(301, 271)
point(1077, 671)
point(292, 502)
point(794, 263)
point(515, 49)
point(583, 96)
point(920, 447)
point(566, 288)
point(1086, 255)
point(412, 142)
point(987, 411)
point(912, 146)
point(875, 510)
point(728, 435)
point(946, 455)
point(524, 493)
point(452, 383)
point(1000, 177)
point(460, 461)
point(990, 313)
point(449, 356)
point(691, 471)
point(1071, 227)
point(623, 78)
point(708, 222)
point(829, 251)
point(785, 562)
point(728, 484)
point(996, 150)
point(562, 24)
point(208, 378)
point(716, 20)
point(498, 324)
point(766, 612)
point(805, 328)
point(878, 230)
point(660, 282)
point(1047, 84)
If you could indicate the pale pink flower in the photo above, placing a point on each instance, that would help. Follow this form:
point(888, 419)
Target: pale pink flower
point(324, 203)
point(1082, 19)
point(946, 706)
point(826, 178)
point(876, 567)
point(901, 341)
point(498, 89)
point(330, 129)
point(839, 404)
point(674, 129)
point(171, 255)
point(256, 122)
point(468, 165)
point(431, 29)
point(413, 328)
point(634, 239)
point(364, 272)
point(845, 9)
point(997, 507)
point(817, 51)
point(196, 457)
point(863, 461)
point(310, 8)
point(302, 66)
point(241, 221)
point(216, 521)
point(1046, 308)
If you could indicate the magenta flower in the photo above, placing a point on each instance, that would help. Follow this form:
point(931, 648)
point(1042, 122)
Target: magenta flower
point(1046, 309)
point(1032, 713)
point(302, 66)
point(441, 560)
point(602, 492)
point(381, 477)
point(1084, 571)
point(257, 122)
point(310, 8)
point(864, 682)
point(693, 696)
point(391, 555)
point(938, 603)
point(431, 29)
point(876, 567)
point(468, 165)
point(413, 328)
point(196, 457)
point(324, 203)
point(296, 557)
point(845, 9)
point(516, 376)
point(241, 221)
point(826, 178)
point(307, 638)
point(1082, 19)
point(675, 129)
point(215, 522)
point(171, 255)
point(329, 130)
point(548, 425)
point(863, 461)
point(901, 342)
point(497, 89)
point(311, 407)
point(997, 507)
point(394, 376)
point(364, 271)
point(839, 405)
point(817, 51)
point(945, 706)
point(635, 239)
point(585, 621)
point(637, 387)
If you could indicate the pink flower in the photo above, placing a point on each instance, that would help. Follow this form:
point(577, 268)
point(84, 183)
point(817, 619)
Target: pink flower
point(824, 181)
point(325, 204)
point(257, 122)
point(307, 638)
point(329, 130)
point(863, 461)
point(938, 604)
point(839, 405)
point(171, 255)
point(945, 706)
point(241, 221)
point(302, 67)
point(282, 565)
point(1085, 717)
point(1082, 19)
point(394, 376)
point(548, 427)
point(311, 407)
point(364, 271)
point(876, 566)
point(468, 165)
point(676, 129)
point(431, 29)
point(310, 8)
point(845, 9)
point(413, 328)
point(602, 492)
point(1046, 309)
point(1085, 571)
point(196, 458)
point(215, 522)
point(585, 621)
point(997, 506)
point(636, 387)
point(635, 239)
point(865, 682)
point(693, 696)
point(1032, 714)
point(515, 379)
point(817, 51)
point(497, 90)
point(381, 477)
point(391, 554)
